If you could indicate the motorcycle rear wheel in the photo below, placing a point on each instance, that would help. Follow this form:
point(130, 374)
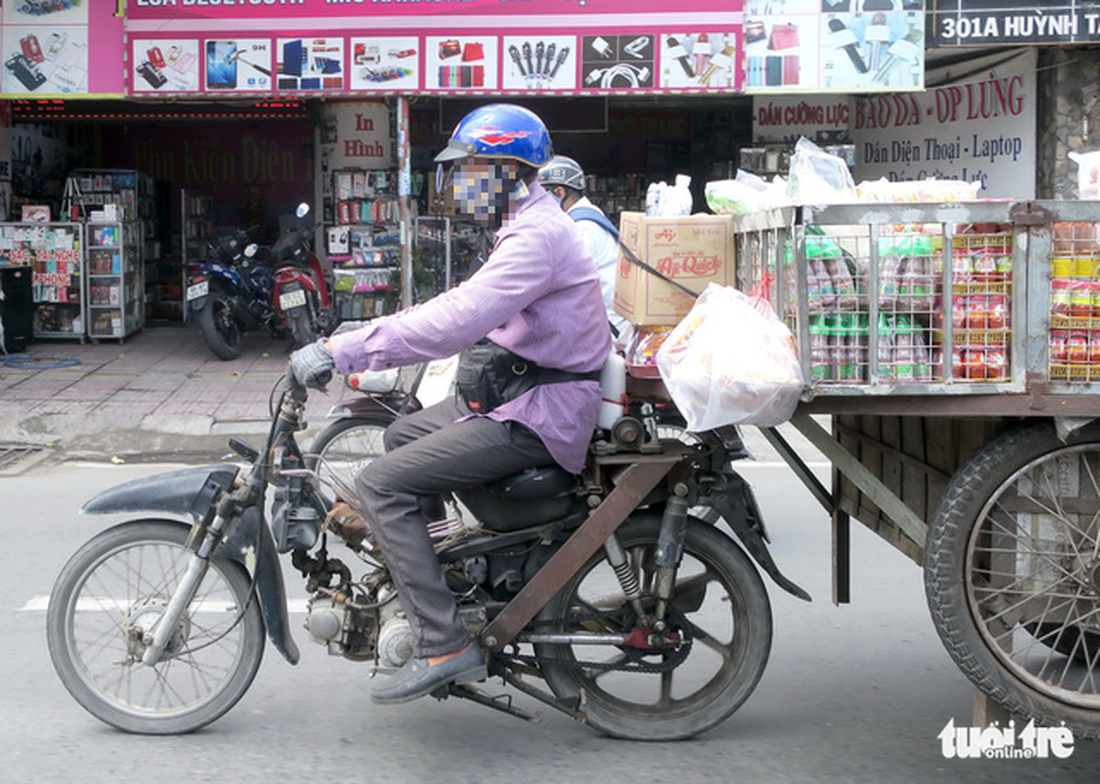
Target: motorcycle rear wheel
point(111, 591)
point(220, 329)
point(720, 603)
point(301, 331)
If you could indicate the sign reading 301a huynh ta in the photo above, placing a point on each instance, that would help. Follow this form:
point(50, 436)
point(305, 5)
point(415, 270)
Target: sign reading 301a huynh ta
point(999, 22)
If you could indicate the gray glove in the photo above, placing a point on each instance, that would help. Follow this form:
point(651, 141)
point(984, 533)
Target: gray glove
point(312, 365)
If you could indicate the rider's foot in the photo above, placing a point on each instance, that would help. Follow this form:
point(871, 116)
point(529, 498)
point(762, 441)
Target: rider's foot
point(346, 523)
point(422, 676)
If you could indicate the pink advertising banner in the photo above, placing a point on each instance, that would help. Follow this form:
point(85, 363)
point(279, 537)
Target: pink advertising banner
point(61, 48)
point(564, 47)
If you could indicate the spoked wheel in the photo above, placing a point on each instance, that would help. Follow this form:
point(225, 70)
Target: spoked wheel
point(1012, 574)
point(703, 667)
point(345, 448)
point(109, 597)
point(220, 329)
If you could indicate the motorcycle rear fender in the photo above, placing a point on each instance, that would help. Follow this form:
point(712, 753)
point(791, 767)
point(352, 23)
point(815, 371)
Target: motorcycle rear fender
point(191, 492)
point(736, 503)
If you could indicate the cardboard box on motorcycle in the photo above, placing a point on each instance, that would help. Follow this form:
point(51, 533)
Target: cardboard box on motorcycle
point(693, 250)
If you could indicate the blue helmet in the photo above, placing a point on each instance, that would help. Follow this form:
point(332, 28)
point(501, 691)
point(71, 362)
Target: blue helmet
point(500, 130)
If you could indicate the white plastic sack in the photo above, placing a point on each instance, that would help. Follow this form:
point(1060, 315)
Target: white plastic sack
point(731, 361)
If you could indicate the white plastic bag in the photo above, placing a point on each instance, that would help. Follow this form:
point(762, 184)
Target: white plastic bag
point(818, 177)
point(731, 361)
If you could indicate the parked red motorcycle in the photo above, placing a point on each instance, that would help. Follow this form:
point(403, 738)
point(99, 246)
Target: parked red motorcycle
point(301, 296)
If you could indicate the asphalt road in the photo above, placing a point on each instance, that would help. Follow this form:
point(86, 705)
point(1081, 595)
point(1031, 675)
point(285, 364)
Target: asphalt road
point(857, 693)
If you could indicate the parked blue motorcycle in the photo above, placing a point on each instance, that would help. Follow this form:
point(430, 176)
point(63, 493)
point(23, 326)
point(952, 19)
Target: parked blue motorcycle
point(229, 293)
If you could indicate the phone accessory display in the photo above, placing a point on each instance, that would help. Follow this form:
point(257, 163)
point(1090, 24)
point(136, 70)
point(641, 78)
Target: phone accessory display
point(156, 57)
point(783, 36)
point(152, 75)
point(618, 62)
point(537, 66)
point(461, 76)
point(840, 37)
point(391, 63)
point(43, 7)
point(31, 49)
point(25, 71)
point(184, 63)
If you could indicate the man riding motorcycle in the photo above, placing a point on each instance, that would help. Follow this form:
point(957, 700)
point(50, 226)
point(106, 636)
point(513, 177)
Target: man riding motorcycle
point(534, 325)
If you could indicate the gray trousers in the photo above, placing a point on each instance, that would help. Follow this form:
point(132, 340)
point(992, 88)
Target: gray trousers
point(428, 454)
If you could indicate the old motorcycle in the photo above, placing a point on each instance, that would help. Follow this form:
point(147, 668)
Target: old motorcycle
point(604, 595)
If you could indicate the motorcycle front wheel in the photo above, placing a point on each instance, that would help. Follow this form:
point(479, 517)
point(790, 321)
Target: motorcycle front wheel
point(107, 599)
point(719, 610)
point(220, 329)
point(345, 448)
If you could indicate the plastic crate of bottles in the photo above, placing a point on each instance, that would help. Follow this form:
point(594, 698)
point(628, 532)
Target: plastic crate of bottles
point(906, 302)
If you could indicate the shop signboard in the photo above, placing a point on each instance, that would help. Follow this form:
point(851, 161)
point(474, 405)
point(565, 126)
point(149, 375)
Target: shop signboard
point(61, 48)
point(782, 119)
point(1001, 22)
point(548, 47)
point(979, 129)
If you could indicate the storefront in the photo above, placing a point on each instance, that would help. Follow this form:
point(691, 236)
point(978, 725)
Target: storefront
point(235, 112)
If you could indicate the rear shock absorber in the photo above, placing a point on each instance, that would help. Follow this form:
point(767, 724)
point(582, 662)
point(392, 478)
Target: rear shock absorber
point(624, 572)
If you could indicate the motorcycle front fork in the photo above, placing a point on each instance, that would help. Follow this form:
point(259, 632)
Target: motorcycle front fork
point(197, 566)
point(670, 551)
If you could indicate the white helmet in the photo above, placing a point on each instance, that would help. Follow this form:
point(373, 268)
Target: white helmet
point(562, 170)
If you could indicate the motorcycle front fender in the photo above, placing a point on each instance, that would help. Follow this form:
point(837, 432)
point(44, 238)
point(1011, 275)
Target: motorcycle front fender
point(250, 543)
point(188, 492)
point(191, 492)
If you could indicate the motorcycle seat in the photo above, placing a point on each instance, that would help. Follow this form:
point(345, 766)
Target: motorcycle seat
point(528, 498)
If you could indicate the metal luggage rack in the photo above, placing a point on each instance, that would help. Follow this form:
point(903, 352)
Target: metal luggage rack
point(994, 306)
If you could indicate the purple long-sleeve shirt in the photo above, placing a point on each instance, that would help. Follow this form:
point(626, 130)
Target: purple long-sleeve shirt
point(538, 295)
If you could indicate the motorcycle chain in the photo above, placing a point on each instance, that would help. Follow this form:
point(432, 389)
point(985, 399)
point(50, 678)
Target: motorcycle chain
point(681, 651)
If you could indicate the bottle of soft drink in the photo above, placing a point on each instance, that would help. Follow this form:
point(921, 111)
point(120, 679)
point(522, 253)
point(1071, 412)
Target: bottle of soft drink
point(904, 351)
point(844, 286)
point(886, 358)
point(820, 368)
point(922, 367)
point(889, 268)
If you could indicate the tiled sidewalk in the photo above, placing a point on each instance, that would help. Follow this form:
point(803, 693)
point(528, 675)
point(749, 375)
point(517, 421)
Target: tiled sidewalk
point(161, 389)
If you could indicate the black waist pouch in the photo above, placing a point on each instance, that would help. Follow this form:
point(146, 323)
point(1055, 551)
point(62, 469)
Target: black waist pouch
point(490, 375)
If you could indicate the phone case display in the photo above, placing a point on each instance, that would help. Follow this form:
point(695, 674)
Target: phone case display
point(165, 65)
point(309, 64)
point(700, 60)
point(385, 63)
point(364, 246)
point(617, 62)
point(116, 289)
point(111, 194)
point(53, 252)
point(540, 62)
point(466, 63)
point(45, 60)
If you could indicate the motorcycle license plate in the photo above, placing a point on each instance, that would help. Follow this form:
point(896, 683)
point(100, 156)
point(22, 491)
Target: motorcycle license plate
point(292, 299)
point(198, 290)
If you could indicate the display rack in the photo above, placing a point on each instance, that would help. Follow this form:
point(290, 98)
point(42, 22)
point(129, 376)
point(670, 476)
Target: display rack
point(127, 195)
point(53, 252)
point(363, 244)
point(617, 194)
point(449, 249)
point(116, 292)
